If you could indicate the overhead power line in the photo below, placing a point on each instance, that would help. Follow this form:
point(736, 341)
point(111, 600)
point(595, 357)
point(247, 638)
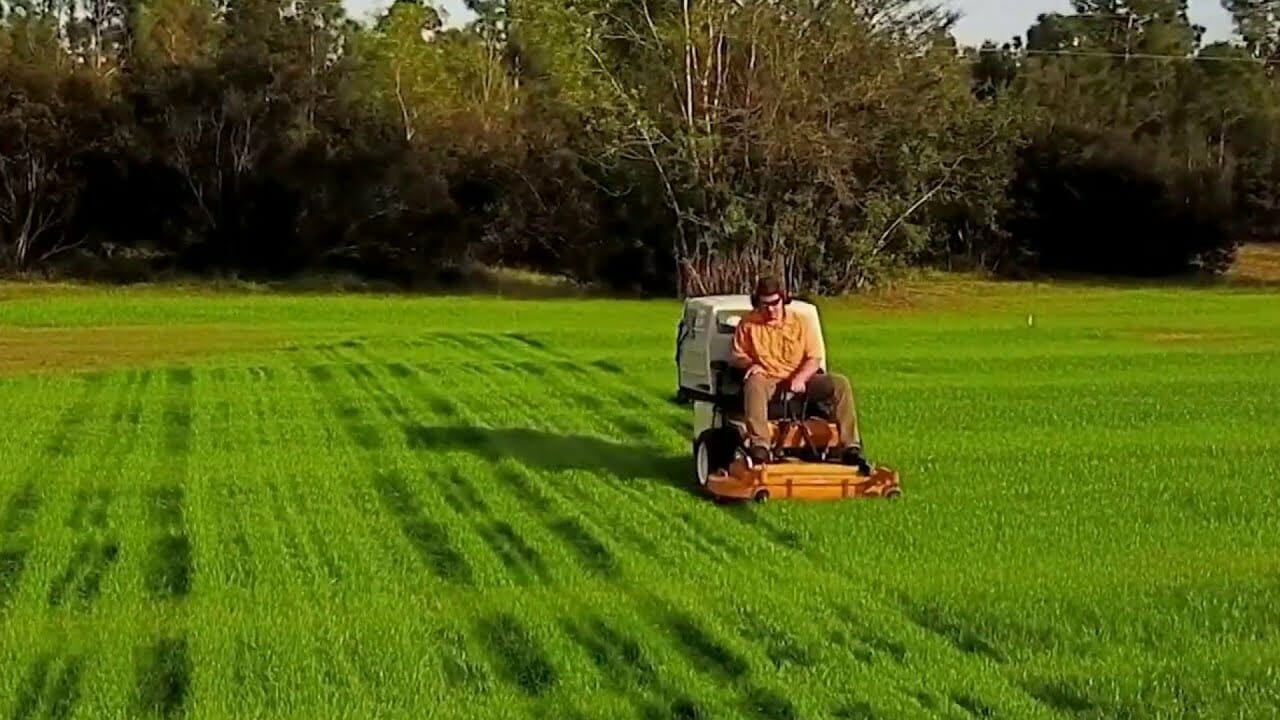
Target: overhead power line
point(1122, 55)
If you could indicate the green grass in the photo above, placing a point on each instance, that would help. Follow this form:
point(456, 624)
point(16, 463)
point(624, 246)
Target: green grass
point(465, 508)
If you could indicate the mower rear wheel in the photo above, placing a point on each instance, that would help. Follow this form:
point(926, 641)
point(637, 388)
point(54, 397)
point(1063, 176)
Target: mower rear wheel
point(713, 452)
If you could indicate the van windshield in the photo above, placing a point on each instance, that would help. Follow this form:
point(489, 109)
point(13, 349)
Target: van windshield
point(727, 320)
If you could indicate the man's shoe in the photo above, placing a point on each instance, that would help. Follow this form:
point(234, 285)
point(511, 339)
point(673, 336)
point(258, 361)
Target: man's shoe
point(853, 456)
point(758, 454)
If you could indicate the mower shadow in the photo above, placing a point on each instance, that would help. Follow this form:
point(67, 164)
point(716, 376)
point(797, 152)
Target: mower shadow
point(551, 452)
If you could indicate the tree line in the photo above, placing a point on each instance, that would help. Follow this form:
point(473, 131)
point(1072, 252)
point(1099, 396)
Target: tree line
point(679, 146)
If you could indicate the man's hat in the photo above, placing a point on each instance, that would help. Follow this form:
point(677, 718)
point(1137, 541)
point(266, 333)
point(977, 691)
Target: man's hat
point(769, 285)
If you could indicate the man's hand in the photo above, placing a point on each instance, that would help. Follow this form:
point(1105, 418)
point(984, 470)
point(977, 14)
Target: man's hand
point(800, 380)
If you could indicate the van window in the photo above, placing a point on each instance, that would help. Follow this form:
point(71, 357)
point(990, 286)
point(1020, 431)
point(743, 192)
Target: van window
point(723, 320)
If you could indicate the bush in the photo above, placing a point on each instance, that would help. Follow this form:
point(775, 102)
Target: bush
point(1089, 203)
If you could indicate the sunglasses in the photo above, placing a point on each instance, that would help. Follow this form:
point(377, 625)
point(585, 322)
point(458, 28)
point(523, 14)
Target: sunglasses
point(771, 303)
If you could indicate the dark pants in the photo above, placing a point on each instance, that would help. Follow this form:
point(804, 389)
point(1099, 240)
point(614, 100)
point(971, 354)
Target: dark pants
point(760, 390)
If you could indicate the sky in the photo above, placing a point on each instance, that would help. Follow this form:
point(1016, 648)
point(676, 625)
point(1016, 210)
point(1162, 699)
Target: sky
point(1000, 20)
point(997, 20)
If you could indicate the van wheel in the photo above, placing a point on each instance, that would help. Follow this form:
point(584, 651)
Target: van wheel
point(713, 452)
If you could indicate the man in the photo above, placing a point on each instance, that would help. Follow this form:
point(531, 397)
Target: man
point(779, 352)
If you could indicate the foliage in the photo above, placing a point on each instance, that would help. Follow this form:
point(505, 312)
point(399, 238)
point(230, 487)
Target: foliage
point(653, 146)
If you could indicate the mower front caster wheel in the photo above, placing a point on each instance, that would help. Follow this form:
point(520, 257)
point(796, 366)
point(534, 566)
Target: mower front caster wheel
point(713, 452)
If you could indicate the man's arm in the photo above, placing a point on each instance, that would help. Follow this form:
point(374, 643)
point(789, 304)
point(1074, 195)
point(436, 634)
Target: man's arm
point(743, 356)
point(812, 362)
point(807, 369)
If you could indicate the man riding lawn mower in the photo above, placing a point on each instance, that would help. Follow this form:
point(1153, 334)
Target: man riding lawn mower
point(769, 420)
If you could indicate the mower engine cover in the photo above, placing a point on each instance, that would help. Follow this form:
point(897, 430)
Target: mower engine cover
point(704, 342)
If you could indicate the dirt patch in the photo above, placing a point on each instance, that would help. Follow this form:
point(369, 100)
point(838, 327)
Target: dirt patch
point(937, 292)
point(35, 350)
point(1257, 263)
point(1173, 337)
point(1176, 337)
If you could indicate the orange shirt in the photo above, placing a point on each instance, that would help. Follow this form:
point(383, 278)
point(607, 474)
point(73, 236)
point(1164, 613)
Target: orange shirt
point(780, 349)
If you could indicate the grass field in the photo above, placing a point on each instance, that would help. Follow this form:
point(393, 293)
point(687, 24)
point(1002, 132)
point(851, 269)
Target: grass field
point(232, 506)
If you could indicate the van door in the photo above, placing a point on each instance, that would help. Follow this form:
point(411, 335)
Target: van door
point(692, 353)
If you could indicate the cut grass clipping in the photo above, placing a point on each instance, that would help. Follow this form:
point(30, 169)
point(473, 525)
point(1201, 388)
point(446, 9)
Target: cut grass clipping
point(472, 509)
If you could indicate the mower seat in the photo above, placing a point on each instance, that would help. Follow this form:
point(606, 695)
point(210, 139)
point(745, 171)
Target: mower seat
point(778, 410)
point(732, 401)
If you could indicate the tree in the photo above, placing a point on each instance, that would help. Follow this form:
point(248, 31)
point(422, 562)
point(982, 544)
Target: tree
point(1258, 24)
point(173, 32)
point(673, 147)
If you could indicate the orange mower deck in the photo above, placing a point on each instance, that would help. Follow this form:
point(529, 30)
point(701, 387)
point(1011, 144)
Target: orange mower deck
point(790, 479)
